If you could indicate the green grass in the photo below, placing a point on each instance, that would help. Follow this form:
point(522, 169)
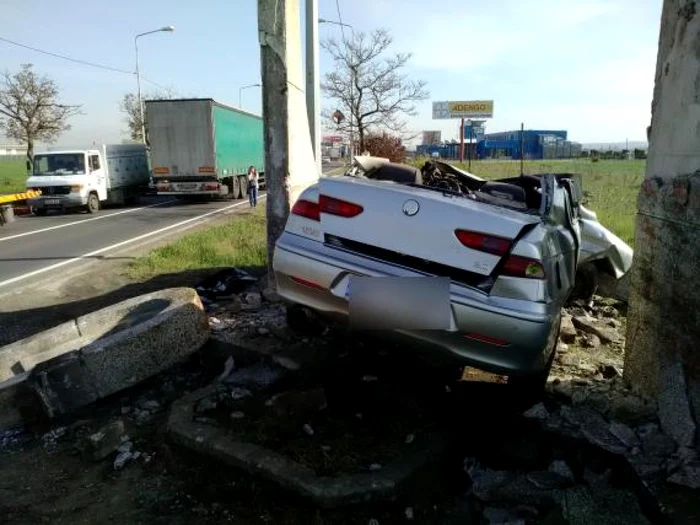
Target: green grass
point(240, 242)
point(611, 186)
point(13, 174)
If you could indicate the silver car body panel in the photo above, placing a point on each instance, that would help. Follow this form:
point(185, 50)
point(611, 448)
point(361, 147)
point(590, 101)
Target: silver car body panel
point(502, 323)
point(600, 244)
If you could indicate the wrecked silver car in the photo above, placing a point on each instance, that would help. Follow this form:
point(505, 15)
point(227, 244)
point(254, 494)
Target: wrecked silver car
point(471, 272)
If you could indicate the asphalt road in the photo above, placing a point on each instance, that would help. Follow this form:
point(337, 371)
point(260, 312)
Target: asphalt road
point(33, 247)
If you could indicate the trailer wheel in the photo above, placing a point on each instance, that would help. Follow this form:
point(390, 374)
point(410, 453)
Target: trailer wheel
point(244, 187)
point(93, 204)
point(234, 187)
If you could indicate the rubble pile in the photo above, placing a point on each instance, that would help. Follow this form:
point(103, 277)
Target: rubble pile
point(563, 461)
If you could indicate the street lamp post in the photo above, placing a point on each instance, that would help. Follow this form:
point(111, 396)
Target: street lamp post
point(352, 80)
point(240, 90)
point(138, 75)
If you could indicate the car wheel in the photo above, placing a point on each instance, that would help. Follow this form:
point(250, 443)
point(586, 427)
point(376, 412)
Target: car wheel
point(302, 321)
point(586, 283)
point(528, 389)
point(93, 204)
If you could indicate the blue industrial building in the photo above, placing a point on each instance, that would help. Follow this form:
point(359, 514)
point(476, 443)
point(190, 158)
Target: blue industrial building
point(528, 144)
point(531, 144)
point(449, 150)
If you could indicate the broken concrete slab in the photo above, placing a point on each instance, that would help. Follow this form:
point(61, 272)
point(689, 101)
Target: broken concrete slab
point(594, 327)
point(85, 359)
point(568, 330)
point(216, 443)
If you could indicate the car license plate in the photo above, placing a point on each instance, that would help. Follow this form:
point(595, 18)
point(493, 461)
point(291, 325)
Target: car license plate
point(52, 202)
point(400, 303)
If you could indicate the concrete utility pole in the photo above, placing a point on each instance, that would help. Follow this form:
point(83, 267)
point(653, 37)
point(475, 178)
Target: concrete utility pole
point(313, 82)
point(289, 158)
point(662, 357)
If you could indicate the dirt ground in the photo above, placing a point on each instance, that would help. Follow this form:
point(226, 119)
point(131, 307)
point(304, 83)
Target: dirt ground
point(45, 478)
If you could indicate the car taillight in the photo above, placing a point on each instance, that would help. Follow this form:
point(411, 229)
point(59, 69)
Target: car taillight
point(333, 206)
point(516, 266)
point(307, 209)
point(306, 283)
point(484, 243)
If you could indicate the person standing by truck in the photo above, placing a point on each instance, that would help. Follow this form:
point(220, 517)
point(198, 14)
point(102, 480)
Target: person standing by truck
point(253, 186)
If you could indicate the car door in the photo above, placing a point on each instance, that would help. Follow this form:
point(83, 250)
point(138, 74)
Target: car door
point(560, 211)
point(97, 173)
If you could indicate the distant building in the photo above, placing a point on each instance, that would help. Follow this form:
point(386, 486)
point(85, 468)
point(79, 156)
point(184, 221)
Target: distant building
point(527, 144)
point(448, 150)
point(13, 150)
point(431, 137)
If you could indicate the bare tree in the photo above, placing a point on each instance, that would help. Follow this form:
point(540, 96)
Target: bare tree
point(369, 86)
point(129, 105)
point(29, 108)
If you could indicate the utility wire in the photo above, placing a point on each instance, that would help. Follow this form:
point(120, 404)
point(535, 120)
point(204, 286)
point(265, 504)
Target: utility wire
point(340, 19)
point(84, 62)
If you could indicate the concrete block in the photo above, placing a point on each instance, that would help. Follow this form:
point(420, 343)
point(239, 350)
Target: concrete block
point(95, 355)
point(325, 491)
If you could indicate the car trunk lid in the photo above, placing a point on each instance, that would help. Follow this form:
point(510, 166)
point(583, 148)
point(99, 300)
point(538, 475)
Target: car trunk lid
point(380, 218)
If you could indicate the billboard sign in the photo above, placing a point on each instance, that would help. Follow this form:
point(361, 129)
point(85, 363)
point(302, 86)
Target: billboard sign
point(432, 137)
point(474, 129)
point(332, 139)
point(463, 109)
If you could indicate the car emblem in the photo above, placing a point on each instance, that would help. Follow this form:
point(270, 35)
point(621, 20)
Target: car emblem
point(410, 207)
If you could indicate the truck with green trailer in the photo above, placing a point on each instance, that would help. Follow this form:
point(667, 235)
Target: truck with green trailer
point(200, 147)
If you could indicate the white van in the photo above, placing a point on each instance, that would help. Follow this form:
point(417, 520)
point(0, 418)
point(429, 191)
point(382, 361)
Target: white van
point(112, 174)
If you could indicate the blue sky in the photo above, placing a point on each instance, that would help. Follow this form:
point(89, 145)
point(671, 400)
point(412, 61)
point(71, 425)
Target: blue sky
point(582, 65)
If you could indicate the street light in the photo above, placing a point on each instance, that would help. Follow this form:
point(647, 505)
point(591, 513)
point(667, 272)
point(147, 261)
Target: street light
point(240, 90)
point(168, 29)
point(352, 79)
point(324, 21)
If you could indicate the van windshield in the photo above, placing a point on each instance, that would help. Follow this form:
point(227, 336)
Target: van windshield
point(59, 164)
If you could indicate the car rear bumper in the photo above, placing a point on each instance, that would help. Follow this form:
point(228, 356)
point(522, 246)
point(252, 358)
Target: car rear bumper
point(528, 328)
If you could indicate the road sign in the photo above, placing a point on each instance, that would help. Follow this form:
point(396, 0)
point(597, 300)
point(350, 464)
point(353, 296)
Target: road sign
point(338, 116)
point(463, 109)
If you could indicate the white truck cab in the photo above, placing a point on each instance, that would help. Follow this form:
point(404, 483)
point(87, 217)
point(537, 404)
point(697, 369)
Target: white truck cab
point(115, 174)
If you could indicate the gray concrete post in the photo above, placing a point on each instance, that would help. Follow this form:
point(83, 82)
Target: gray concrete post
point(289, 159)
point(662, 357)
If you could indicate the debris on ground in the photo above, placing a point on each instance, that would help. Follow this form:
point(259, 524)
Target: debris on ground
point(225, 283)
point(561, 459)
point(105, 441)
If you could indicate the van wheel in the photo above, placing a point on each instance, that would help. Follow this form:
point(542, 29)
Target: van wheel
point(93, 204)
